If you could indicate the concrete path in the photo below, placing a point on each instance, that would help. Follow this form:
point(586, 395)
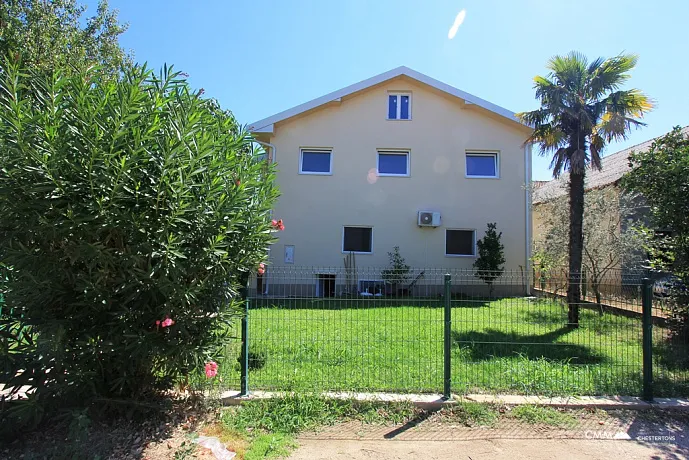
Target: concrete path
point(512, 449)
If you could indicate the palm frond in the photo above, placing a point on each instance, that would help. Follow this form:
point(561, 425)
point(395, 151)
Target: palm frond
point(620, 112)
point(569, 71)
point(594, 65)
point(560, 161)
point(535, 117)
point(596, 146)
point(610, 75)
point(548, 138)
point(577, 160)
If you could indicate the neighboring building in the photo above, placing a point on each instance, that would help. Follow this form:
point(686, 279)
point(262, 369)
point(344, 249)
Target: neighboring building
point(359, 167)
point(614, 167)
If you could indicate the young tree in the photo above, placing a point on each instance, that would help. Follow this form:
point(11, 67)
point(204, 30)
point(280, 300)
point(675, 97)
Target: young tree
point(50, 35)
point(608, 243)
point(582, 109)
point(398, 273)
point(491, 256)
point(133, 212)
point(661, 177)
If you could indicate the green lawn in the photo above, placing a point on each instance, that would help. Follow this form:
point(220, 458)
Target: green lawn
point(508, 345)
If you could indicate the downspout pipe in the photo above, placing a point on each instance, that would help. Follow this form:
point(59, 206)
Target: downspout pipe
point(271, 159)
point(273, 150)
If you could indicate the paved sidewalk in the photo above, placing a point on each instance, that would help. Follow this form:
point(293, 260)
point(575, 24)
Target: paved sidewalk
point(615, 434)
point(512, 449)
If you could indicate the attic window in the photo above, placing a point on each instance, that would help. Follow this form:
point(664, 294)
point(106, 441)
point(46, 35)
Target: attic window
point(399, 106)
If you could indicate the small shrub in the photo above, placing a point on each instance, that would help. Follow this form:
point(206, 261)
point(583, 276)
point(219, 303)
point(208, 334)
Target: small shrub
point(491, 256)
point(398, 273)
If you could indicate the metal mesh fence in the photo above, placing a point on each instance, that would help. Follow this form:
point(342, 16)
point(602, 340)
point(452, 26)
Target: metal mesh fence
point(329, 329)
point(366, 329)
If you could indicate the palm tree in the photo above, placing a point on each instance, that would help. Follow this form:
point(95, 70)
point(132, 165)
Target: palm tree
point(582, 109)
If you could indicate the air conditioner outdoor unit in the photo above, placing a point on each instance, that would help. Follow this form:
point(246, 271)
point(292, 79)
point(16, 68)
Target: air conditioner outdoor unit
point(429, 219)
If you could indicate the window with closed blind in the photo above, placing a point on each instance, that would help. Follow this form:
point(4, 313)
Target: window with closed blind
point(357, 239)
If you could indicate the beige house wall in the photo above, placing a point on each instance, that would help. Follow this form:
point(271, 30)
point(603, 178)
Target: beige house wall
point(316, 207)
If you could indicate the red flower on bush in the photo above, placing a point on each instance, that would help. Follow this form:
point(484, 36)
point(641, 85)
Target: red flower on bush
point(211, 369)
point(261, 268)
point(277, 224)
point(167, 322)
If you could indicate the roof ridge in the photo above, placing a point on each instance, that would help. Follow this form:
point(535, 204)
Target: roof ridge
point(375, 80)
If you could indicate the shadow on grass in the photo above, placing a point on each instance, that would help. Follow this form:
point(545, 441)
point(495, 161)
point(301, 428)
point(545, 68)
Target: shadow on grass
point(672, 354)
point(491, 343)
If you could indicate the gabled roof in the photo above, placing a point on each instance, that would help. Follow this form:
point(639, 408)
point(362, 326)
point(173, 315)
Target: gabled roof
point(614, 165)
point(265, 125)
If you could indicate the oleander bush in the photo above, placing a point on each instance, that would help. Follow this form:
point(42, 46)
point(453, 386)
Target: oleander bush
point(133, 210)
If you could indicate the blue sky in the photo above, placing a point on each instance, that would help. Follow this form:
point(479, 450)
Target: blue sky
point(261, 57)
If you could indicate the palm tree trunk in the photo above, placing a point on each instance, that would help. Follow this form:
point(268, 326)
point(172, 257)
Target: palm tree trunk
point(576, 244)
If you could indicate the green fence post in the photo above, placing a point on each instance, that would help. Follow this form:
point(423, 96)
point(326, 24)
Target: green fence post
point(244, 383)
point(647, 334)
point(447, 369)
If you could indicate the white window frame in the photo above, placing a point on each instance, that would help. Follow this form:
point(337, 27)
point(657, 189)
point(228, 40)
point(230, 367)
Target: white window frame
point(356, 226)
point(473, 230)
point(399, 105)
point(315, 150)
point(406, 152)
point(478, 153)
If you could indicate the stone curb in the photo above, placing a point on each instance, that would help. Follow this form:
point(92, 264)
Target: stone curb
point(434, 401)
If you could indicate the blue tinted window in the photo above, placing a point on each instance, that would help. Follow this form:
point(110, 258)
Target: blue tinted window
point(392, 163)
point(392, 107)
point(482, 165)
point(316, 162)
point(404, 107)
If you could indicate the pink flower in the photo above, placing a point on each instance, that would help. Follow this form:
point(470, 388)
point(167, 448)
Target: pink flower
point(157, 322)
point(167, 322)
point(211, 369)
point(277, 224)
point(261, 268)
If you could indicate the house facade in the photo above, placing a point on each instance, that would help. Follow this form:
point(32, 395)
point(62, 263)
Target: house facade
point(400, 160)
